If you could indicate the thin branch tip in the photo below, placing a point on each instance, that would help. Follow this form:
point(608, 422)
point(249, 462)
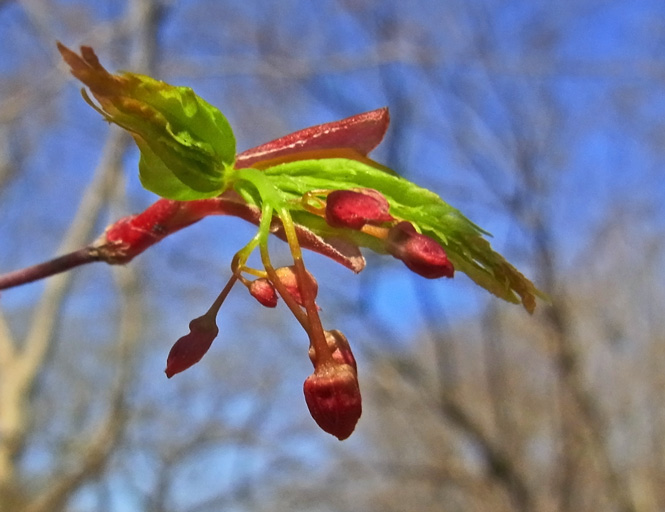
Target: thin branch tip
point(48, 268)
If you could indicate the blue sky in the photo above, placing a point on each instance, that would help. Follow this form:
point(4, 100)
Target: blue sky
point(467, 83)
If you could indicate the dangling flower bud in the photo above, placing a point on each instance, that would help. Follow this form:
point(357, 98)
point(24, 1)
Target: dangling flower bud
point(340, 348)
point(289, 278)
point(263, 291)
point(420, 253)
point(354, 208)
point(189, 349)
point(333, 398)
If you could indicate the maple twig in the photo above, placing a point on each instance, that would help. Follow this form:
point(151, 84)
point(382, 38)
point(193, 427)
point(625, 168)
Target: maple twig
point(48, 268)
point(130, 236)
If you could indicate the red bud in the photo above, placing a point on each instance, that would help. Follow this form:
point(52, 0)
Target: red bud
point(355, 208)
point(333, 398)
point(420, 253)
point(189, 349)
point(341, 350)
point(263, 291)
point(289, 278)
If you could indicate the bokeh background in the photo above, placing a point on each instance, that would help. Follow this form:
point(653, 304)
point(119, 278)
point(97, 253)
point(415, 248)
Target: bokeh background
point(542, 121)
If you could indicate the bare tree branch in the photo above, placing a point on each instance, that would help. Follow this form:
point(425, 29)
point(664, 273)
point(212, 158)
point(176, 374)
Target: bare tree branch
point(21, 368)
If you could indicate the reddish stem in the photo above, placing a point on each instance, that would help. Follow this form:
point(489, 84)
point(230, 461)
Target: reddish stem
point(217, 304)
point(316, 335)
point(48, 268)
point(130, 236)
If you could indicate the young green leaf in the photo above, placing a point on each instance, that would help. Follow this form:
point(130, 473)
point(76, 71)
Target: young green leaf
point(462, 240)
point(187, 145)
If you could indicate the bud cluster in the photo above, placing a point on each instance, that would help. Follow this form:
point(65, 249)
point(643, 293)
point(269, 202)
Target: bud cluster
point(356, 209)
point(255, 187)
point(332, 392)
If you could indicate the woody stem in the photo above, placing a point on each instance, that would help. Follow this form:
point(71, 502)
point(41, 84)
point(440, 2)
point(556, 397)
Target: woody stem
point(48, 268)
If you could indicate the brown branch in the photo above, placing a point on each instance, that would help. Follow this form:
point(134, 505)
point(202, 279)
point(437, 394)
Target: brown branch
point(48, 268)
point(101, 444)
point(7, 343)
point(499, 462)
point(19, 373)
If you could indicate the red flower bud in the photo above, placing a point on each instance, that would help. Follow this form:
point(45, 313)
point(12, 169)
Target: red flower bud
point(189, 349)
point(341, 350)
point(288, 277)
point(355, 208)
point(420, 253)
point(333, 398)
point(263, 291)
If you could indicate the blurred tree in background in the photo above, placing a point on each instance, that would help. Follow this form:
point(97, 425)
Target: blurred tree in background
point(543, 121)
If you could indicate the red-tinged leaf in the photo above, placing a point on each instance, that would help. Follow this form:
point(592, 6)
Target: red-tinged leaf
point(360, 133)
point(339, 250)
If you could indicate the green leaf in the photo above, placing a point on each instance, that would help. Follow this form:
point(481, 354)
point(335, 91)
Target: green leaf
point(463, 240)
point(187, 145)
point(192, 121)
point(158, 178)
point(185, 142)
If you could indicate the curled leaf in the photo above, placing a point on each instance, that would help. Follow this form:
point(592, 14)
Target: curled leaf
point(360, 133)
point(187, 145)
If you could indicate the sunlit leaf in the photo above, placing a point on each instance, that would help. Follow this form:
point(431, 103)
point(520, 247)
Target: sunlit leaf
point(464, 242)
point(187, 144)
